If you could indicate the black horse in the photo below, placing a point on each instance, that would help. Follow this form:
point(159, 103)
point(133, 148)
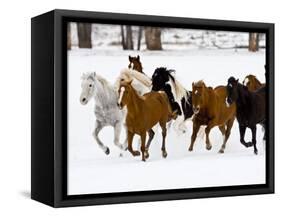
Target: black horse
point(162, 79)
point(250, 109)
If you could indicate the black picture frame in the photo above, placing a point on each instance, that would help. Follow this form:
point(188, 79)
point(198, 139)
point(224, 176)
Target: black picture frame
point(49, 108)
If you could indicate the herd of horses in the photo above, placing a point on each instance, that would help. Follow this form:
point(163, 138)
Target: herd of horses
point(140, 104)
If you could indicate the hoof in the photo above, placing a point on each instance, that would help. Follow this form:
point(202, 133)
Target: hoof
point(209, 147)
point(107, 151)
point(221, 151)
point(164, 154)
point(190, 149)
point(143, 159)
point(146, 154)
point(256, 152)
point(136, 153)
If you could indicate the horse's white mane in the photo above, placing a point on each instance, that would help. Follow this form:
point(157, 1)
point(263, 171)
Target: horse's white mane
point(130, 74)
point(144, 79)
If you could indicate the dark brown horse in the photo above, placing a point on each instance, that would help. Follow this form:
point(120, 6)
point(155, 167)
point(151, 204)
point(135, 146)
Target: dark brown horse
point(210, 109)
point(135, 63)
point(143, 113)
point(252, 83)
point(251, 109)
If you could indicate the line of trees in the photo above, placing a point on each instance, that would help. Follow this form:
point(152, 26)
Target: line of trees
point(152, 36)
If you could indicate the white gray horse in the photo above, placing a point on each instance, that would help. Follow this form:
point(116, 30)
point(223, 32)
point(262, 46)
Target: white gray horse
point(106, 111)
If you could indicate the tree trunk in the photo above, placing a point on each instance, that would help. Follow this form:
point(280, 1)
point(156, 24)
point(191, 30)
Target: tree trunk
point(253, 42)
point(68, 36)
point(139, 37)
point(127, 38)
point(130, 44)
point(84, 35)
point(153, 38)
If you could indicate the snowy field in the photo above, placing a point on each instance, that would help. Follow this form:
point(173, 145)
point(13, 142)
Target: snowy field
point(91, 171)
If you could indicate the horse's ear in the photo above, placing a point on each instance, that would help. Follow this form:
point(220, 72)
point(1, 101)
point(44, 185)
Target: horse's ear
point(130, 58)
point(192, 84)
point(237, 80)
point(138, 57)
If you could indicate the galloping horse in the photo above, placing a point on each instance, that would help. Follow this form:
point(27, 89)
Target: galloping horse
point(179, 98)
point(143, 113)
point(210, 109)
point(135, 64)
point(106, 111)
point(252, 83)
point(250, 109)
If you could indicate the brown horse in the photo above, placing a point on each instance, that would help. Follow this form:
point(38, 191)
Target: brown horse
point(210, 108)
point(143, 113)
point(252, 83)
point(135, 63)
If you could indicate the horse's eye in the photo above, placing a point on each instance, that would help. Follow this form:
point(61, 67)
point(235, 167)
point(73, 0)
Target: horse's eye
point(90, 85)
point(122, 79)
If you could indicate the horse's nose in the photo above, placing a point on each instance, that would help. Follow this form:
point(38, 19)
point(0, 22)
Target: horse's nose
point(84, 99)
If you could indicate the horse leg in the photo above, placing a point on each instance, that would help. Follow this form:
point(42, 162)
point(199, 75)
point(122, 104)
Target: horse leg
point(242, 130)
point(151, 135)
point(164, 133)
point(195, 130)
point(130, 142)
point(254, 141)
point(143, 149)
point(117, 132)
point(210, 125)
point(227, 134)
point(98, 128)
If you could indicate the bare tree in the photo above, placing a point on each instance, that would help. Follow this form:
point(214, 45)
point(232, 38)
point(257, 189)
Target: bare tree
point(139, 37)
point(68, 36)
point(153, 38)
point(253, 42)
point(127, 37)
point(84, 35)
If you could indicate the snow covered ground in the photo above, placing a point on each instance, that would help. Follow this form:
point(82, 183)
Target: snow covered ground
point(91, 171)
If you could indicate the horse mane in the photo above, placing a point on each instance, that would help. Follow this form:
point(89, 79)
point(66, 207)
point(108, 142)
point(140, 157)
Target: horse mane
point(179, 89)
point(199, 83)
point(131, 74)
point(103, 81)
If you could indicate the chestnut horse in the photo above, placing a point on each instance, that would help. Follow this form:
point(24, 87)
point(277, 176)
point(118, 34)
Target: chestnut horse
point(143, 112)
point(210, 108)
point(135, 64)
point(252, 83)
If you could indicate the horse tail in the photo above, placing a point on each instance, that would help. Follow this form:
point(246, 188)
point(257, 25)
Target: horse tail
point(141, 77)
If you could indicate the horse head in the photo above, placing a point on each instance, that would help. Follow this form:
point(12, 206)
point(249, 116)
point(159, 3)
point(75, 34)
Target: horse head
point(232, 90)
point(199, 97)
point(160, 77)
point(252, 82)
point(87, 85)
point(124, 93)
point(135, 63)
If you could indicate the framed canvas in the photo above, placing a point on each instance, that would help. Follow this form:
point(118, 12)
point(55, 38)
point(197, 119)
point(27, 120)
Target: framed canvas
point(133, 108)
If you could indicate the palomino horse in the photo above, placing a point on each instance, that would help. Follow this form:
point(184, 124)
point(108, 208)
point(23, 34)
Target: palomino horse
point(210, 109)
point(250, 109)
point(143, 112)
point(252, 83)
point(135, 64)
point(106, 111)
